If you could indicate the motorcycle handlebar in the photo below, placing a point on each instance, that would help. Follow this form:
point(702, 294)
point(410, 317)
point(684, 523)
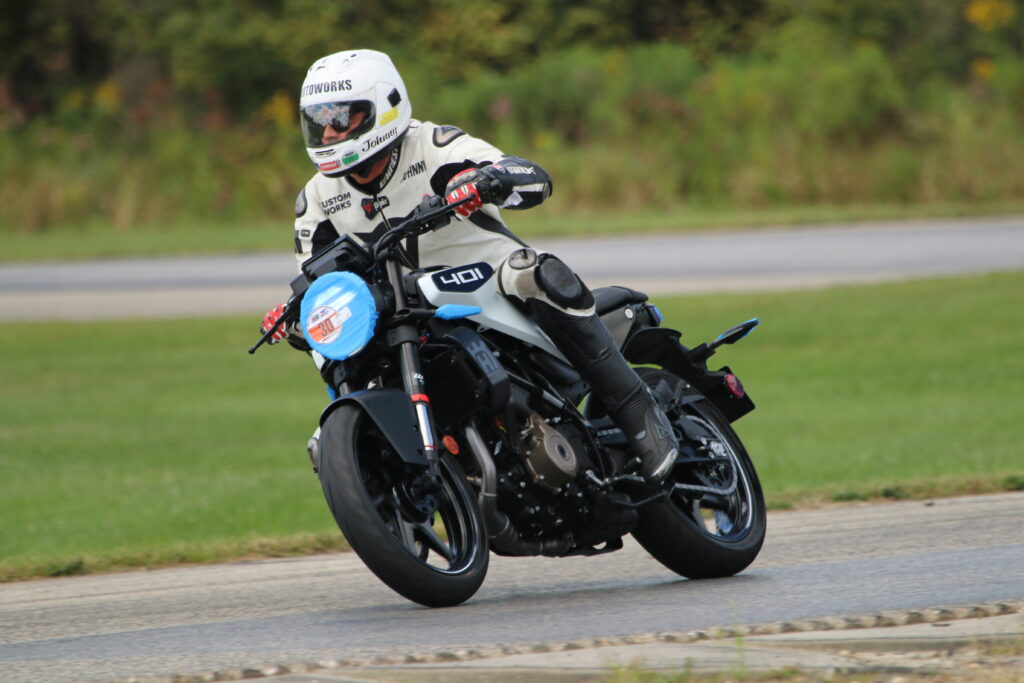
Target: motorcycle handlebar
point(423, 219)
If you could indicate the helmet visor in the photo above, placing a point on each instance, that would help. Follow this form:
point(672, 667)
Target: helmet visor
point(329, 123)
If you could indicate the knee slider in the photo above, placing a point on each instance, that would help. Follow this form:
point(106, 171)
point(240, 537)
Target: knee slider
point(560, 284)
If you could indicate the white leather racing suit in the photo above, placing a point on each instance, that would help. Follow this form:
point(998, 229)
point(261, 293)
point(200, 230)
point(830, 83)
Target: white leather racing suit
point(421, 164)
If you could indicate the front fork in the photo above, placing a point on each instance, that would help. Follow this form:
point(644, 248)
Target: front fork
point(406, 337)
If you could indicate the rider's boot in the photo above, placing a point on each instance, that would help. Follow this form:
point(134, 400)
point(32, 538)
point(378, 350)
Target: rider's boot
point(587, 344)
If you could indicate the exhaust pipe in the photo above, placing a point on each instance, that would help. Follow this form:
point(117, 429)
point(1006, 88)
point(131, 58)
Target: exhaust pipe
point(502, 534)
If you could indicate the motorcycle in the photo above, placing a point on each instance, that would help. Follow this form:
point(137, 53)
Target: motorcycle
point(457, 429)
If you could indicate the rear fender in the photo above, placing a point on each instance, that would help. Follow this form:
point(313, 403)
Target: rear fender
point(392, 411)
point(661, 346)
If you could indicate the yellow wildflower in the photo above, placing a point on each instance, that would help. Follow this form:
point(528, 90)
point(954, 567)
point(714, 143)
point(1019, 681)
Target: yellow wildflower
point(982, 69)
point(989, 15)
point(107, 97)
point(280, 109)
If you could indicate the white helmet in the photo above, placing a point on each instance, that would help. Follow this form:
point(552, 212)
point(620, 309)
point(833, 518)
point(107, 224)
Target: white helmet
point(353, 107)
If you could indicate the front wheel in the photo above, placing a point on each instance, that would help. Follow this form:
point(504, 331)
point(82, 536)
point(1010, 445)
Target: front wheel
point(713, 523)
point(426, 541)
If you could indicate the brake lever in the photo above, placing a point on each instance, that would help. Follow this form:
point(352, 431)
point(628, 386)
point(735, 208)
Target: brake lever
point(431, 208)
point(289, 313)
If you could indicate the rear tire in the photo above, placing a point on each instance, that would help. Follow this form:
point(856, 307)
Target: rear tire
point(700, 534)
point(437, 558)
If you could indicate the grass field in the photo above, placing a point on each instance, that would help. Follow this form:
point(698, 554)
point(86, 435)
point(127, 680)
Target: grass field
point(275, 234)
point(142, 443)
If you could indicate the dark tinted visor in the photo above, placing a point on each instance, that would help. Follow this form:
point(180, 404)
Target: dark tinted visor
point(332, 122)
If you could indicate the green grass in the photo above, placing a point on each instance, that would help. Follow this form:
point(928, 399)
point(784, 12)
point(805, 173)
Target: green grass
point(143, 443)
point(96, 240)
point(153, 442)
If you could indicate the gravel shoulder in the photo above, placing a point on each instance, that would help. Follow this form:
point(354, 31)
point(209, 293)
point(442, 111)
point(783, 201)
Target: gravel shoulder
point(982, 642)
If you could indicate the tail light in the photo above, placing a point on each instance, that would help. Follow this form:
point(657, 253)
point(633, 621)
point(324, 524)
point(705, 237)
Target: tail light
point(735, 386)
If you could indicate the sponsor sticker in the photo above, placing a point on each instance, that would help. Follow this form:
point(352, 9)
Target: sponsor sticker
point(389, 116)
point(330, 165)
point(325, 323)
point(371, 207)
point(351, 157)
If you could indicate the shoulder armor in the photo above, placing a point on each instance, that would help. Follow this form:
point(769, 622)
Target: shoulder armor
point(300, 204)
point(443, 135)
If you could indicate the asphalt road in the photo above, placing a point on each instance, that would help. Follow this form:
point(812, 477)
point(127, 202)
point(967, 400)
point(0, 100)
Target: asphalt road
point(815, 563)
point(769, 259)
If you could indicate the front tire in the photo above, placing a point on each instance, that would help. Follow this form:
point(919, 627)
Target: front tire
point(713, 523)
point(429, 547)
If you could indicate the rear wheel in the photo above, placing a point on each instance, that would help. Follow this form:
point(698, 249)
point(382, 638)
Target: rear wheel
point(425, 540)
point(713, 523)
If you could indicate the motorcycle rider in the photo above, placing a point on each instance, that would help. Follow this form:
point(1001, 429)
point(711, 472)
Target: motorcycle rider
point(375, 163)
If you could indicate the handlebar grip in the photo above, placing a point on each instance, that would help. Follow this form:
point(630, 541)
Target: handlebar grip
point(289, 314)
point(433, 212)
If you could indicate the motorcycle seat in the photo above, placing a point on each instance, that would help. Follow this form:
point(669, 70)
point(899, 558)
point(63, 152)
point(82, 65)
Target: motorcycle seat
point(610, 298)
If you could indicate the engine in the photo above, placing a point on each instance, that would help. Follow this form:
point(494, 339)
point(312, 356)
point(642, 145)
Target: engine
point(548, 455)
point(543, 481)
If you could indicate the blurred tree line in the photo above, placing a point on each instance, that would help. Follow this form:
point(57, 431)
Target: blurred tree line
point(745, 102)
point(233, 55)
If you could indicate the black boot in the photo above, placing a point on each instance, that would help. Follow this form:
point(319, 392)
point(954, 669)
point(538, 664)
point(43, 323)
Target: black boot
point(587, 344)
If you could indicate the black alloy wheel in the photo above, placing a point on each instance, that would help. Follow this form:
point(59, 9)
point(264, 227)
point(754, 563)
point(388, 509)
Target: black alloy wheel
point(424, 539)
point(713, 524)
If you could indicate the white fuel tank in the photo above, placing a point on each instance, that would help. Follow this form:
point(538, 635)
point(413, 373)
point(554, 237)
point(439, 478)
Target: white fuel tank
point(476, 284)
